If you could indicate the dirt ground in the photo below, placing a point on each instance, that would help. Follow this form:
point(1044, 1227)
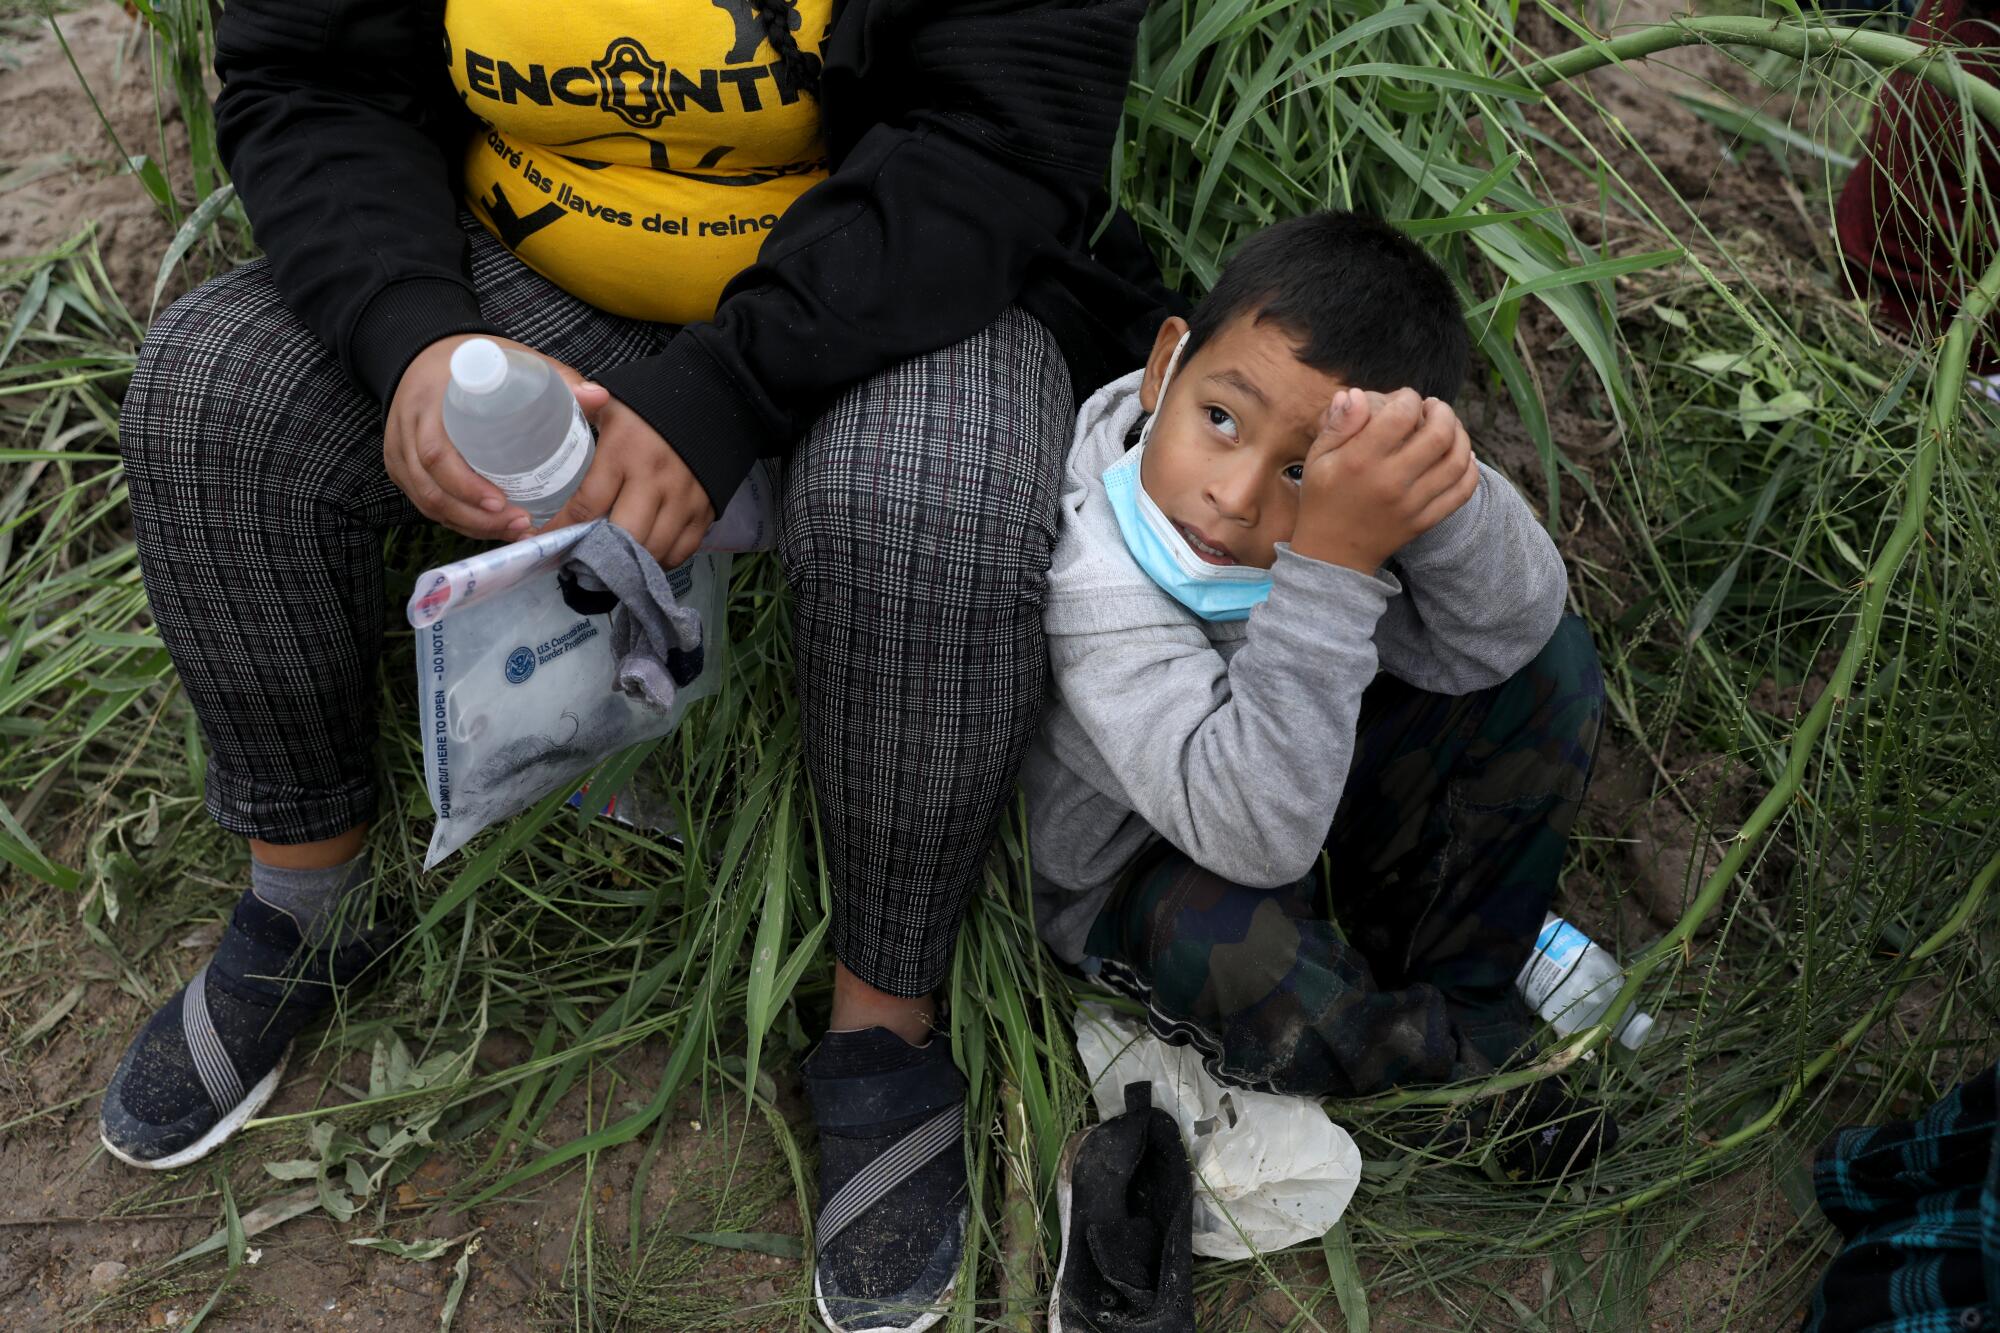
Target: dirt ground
point(57, 163)
point(72, 1214)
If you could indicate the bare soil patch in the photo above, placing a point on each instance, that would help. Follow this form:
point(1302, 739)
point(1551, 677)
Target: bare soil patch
point(58, 166)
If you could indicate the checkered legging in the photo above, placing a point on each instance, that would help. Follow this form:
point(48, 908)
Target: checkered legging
point(919, 521)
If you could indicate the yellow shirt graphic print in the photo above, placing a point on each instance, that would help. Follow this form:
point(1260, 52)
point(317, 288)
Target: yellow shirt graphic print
point(636, 151)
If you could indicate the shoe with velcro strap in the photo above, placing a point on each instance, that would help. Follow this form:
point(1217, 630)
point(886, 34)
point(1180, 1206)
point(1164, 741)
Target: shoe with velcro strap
point(211, 1057)
point(889, 1238)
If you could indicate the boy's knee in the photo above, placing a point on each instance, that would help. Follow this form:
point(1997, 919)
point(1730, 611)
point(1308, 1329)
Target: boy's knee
point(1540, 734)
point(1570, 689)
point(1569, 661)
point(1570, 680)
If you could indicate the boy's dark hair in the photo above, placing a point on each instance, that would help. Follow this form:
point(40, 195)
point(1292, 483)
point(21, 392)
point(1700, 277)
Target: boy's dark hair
point(1363, 300)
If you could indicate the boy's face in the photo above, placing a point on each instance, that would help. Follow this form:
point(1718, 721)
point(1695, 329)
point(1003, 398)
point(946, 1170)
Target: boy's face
point(1229, 443)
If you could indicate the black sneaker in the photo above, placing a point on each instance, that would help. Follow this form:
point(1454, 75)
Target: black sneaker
point(1546, 1131)
point(1126, 1194)
point(212, 1056)
point(889, 1240)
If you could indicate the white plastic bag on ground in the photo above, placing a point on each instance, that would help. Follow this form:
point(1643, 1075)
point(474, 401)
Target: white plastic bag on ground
point(516, 689)
point(1269, 1171)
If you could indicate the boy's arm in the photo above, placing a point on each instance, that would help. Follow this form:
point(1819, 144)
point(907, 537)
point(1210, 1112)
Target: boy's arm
point(1239, 764)
point(1482, 593)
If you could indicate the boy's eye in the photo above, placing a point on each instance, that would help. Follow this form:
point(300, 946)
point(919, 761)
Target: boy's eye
point(1295, 472)
point(1222, 421)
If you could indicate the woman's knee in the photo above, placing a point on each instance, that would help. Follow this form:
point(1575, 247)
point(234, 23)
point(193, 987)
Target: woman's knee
point(939, 476)
point(225, 380)
point(166, 399)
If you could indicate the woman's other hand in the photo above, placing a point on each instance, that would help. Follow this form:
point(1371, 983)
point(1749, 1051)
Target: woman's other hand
point(424, 463)
point(640, 481)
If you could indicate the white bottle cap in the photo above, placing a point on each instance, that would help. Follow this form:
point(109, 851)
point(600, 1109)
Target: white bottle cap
point(1637, 1027)
point(478, 366)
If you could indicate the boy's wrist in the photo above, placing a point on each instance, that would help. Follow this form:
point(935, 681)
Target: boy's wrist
point(1331, 549)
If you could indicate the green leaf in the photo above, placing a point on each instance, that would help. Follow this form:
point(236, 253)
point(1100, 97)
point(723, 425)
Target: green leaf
point(261, 1218)
point(1790, 403)
point(771, 927)
point(1846, 552)
point(418, 1251)
point(1711, 600)
point(1448, 226)
point(1248, 102)
point(51, 1016)
point(1344, 1271)
point(199, 221)
point(1534, 416)
point(1748, 403)
point(459, 1270)
point(149, 174)
point(338, 1206)
point(1720, 363)
point(32, 170)
point(1439, 76)
point(757, 1242)
point(31, 305)
point(1582, 273)
point(521, 830)
point(235, 1238)
point(20, 851)
point(1760, 127)
point(1881, 409)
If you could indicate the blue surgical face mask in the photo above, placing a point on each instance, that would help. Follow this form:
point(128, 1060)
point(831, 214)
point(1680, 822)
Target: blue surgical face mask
point(1213, 592)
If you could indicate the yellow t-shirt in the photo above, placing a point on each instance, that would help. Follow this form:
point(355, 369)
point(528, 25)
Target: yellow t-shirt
point(636, 150)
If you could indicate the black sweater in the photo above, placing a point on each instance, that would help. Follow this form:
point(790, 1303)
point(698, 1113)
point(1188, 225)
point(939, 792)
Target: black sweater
point(968, 141)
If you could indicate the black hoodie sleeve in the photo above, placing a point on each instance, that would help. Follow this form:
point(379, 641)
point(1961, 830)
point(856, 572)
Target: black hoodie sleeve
point(338, 125)
point(987, 133)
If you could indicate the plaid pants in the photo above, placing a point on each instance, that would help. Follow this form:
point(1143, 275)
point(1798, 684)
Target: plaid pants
point(919, 520)
point(1445, 851)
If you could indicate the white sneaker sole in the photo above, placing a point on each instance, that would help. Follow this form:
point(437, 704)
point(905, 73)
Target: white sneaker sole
point(233, 1120)
point(928, 1319)
point(1065, 1168)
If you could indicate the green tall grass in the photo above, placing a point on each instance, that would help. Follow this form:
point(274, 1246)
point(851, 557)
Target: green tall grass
point(1795, 505)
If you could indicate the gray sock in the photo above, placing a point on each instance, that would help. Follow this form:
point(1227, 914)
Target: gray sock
point(323, 902)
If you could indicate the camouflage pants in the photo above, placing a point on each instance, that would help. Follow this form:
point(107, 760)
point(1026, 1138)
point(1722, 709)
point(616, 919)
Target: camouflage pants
point(1397, 966)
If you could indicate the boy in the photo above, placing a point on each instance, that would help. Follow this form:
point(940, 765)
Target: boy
point(1289, 613)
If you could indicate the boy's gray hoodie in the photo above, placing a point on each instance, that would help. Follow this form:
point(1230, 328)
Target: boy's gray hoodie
point(1231, 740)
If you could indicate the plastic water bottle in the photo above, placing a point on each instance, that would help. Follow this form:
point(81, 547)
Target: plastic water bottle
point(1570, 980)
point(518, 425)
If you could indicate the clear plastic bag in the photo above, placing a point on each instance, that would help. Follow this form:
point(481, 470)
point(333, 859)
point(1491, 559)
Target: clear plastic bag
point(516, 689)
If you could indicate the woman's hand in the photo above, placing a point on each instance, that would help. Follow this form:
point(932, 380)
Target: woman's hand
point(424, 463)
point(640, 481)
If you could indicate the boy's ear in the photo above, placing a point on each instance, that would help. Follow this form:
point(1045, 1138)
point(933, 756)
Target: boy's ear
point(1164, 342)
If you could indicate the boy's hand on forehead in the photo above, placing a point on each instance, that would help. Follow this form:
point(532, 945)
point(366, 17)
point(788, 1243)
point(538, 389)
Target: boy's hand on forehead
point(1384, 470)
